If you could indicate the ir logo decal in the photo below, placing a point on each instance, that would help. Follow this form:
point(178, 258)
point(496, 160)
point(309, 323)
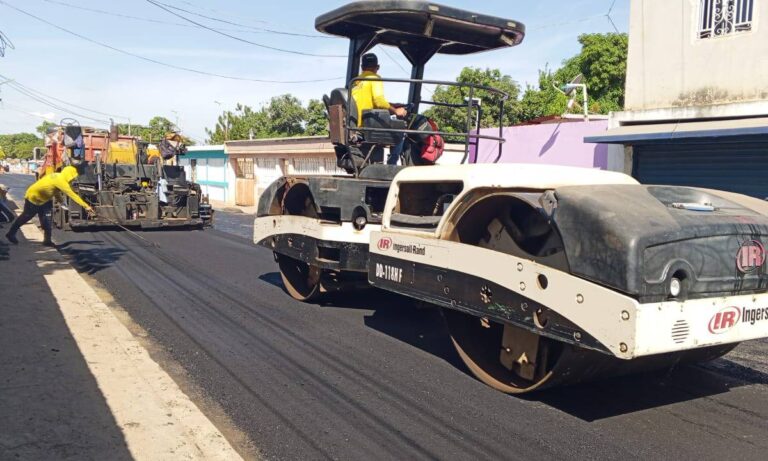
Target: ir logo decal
point(385, 244)
point(724, 320)
point(750, 257)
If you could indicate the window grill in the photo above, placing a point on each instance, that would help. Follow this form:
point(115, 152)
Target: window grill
point(718, 18)
point(244, 168)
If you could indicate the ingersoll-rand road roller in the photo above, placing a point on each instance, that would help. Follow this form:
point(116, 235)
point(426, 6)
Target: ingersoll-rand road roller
point(546, 275)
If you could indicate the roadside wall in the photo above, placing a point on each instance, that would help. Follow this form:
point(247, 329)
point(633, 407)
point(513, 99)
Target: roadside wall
point(552, 144)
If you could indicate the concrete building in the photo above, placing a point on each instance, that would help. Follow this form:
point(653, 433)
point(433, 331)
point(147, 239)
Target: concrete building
point(208, 166)
point(559, 141)
point(696, 108)
point(257, 163)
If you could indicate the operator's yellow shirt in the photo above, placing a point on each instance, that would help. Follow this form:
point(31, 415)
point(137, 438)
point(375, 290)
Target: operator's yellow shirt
point(43, 190)
point(368, 95)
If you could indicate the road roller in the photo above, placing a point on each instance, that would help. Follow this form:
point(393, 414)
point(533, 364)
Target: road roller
point(546, 275)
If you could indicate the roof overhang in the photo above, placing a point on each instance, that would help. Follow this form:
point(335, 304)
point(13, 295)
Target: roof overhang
point(681, 131)
point(408, 23)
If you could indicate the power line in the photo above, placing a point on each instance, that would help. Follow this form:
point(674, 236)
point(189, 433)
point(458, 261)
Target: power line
point(160, 63)
point(610, 19)
point(405, 71)
point(5, 43)
point(606, 15)
point(15, 108)
point(224, 21)
point(117, 15)
point(44, 95)
point(168, 9)
point(56, 106)
point(254, 30)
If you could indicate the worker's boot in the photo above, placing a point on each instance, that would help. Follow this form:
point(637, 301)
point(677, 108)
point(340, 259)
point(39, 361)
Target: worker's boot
point(12, 238)
point(47, 240)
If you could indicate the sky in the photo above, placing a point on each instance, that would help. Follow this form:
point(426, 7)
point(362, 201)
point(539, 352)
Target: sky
point(106, 83)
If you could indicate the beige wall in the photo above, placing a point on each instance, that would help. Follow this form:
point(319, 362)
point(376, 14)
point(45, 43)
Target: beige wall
point(669, 66)
point(273, 158)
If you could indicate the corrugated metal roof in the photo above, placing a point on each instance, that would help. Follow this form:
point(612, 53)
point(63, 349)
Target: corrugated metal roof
point(639, 134)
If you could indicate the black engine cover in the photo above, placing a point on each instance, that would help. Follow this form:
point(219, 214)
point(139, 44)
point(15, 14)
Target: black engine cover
point(631, 238)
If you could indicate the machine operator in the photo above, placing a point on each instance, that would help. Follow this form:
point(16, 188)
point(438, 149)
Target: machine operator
point(369, 94)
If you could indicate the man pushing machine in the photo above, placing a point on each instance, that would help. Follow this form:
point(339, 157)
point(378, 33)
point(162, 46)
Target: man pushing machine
point(39, 201)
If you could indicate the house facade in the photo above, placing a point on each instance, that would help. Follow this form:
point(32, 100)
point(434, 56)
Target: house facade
point(696, 104)
point(259, 162)
point(207, 166)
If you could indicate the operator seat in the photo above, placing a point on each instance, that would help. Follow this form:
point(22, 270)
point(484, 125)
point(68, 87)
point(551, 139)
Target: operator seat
point(337, 103)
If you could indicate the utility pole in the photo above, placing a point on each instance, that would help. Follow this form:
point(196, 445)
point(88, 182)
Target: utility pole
point(226, 123)
point(176, 123)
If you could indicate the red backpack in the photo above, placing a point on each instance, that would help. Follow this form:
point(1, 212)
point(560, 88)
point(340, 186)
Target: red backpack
point(433, 146)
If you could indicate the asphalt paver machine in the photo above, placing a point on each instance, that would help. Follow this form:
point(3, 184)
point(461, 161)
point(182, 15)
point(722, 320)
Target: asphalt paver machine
point(131, 183)
point(546, 275)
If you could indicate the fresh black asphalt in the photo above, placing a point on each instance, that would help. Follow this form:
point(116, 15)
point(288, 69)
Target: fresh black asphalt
point(371, 376)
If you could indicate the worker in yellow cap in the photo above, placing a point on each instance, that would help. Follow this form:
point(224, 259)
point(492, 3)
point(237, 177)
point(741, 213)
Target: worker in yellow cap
point(39, 201)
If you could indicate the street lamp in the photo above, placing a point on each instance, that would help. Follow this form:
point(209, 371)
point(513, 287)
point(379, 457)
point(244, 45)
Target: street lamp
point(226, 123)
point(570, 88)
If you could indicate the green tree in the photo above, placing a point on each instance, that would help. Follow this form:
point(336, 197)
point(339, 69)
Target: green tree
point(452, 119)
point(19, 145)
point(286, 116)
point(153, 131)
point(603, 63)
point(42, 129)
point(242, 123)
point(317, 119)
point(282, 116)
point(543, 100)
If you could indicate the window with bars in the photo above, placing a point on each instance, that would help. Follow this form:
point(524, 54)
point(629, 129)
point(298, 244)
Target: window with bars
point(719, 18)
point(244, 168)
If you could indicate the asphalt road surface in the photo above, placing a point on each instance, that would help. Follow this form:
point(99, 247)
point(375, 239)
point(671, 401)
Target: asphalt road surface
point(373, 377)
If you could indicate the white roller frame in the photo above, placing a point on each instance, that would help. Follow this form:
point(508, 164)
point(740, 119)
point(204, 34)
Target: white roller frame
point(627, 328)
point(267, 226)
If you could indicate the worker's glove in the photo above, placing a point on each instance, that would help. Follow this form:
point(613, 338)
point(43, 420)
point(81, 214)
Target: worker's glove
point(91, 213)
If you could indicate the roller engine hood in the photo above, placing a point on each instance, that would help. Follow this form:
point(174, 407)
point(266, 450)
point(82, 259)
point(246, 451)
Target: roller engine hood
point(636, 238)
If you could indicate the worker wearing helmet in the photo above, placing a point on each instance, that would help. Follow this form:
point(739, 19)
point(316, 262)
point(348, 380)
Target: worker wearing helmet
point(39, 201)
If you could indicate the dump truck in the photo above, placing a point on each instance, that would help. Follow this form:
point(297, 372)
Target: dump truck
point(546, 275)
point(129, 182)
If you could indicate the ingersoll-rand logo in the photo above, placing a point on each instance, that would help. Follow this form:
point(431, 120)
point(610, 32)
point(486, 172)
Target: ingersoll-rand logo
point(724, 320)
point(750, 257)
point(385, 244)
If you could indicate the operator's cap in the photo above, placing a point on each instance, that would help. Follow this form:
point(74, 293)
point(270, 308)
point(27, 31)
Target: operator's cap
point(369, 60)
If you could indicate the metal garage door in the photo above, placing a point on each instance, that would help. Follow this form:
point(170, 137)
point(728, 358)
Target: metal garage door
point(737, 166)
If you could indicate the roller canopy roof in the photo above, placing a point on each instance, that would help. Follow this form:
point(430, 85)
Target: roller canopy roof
point(409, 23)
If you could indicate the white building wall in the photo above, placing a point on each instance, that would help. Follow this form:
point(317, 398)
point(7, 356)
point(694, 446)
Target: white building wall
point(670, 66)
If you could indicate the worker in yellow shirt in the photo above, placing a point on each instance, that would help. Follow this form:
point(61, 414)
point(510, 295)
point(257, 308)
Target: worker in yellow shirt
point(369, 94)
point(39, 201)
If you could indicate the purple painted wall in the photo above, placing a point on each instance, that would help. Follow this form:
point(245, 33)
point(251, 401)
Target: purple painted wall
point(553, 144)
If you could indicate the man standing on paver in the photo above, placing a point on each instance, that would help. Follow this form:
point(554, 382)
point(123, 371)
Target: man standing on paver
point(39, 201)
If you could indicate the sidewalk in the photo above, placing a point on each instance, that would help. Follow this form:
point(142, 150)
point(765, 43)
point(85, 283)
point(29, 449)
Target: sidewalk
point(221, 206)
point(74, 382)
